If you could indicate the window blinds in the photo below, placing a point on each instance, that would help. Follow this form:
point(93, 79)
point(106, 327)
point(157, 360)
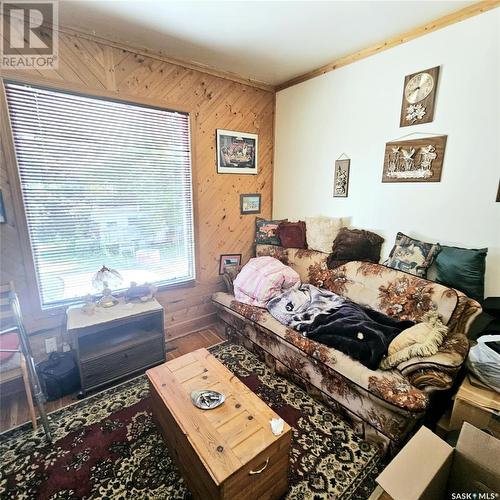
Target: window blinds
point(103, 182)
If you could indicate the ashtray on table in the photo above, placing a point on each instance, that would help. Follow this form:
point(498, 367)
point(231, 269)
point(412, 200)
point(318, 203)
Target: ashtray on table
point(206, 399)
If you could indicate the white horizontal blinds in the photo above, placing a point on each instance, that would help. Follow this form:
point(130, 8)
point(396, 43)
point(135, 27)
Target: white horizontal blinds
point(104, 182)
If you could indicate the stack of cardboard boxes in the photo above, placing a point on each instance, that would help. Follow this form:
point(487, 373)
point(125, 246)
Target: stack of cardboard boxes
point(474, 403)
point(428, 468)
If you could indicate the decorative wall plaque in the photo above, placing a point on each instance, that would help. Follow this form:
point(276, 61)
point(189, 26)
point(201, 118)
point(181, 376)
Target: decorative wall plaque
point(417, 160)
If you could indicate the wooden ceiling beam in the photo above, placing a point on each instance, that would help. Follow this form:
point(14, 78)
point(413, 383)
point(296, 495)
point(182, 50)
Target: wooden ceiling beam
point(437, 24)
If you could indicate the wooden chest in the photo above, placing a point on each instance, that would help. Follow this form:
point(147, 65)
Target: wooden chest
point(228, 452)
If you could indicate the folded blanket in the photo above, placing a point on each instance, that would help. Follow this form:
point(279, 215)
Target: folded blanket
point(359, 332)
point(261, 279)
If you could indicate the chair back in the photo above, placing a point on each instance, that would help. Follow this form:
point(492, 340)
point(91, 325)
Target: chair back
point(7, 315)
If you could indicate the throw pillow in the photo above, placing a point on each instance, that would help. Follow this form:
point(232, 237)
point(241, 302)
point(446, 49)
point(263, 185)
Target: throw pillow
point(266, 231)
point(412, 256)
point(355, 244)
point(292, 234)
point(321, 231)
point(463, 269)
point(420, 340)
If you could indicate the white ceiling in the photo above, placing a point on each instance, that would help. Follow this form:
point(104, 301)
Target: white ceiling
point(267, 41)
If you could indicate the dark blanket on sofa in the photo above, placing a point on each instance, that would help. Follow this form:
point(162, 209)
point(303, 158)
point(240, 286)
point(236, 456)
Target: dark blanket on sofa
point(359, 332)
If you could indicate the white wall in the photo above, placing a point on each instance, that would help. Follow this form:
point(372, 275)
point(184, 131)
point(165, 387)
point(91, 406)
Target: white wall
point(355, 110)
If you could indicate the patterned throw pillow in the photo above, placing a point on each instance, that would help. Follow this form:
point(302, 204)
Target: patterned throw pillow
point(412, 256)
point(266, 231)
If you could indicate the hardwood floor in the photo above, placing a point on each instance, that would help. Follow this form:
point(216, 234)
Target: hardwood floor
point(14, 408)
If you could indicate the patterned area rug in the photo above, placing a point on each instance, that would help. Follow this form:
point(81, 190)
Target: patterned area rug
point(107, 446)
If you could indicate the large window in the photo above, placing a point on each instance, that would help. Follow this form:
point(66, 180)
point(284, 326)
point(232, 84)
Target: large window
point(103, 182)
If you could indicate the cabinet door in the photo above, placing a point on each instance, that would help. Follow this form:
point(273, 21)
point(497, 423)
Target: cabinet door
point(99, 370)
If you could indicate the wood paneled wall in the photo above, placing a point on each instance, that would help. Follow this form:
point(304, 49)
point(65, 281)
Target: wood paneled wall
point(95, 67)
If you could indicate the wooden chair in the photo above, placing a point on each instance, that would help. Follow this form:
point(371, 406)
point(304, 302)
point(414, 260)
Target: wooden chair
point(11, 324)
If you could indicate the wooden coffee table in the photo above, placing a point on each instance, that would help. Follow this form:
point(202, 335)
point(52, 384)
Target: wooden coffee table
point(228, 452)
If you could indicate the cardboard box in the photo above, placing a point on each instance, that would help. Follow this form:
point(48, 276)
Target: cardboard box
point(443, 425)
point(477, 404)
point(428, 468)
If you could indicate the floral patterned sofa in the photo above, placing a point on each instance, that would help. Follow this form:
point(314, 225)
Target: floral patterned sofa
point(382, 406)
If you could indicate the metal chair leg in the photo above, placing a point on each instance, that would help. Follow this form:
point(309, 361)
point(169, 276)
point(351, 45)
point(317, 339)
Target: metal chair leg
point(36, 387)
point(27, 389)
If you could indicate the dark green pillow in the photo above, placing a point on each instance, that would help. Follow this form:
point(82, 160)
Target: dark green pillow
point(463, 269)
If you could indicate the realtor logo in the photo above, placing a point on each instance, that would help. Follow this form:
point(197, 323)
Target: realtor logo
point(29, 36)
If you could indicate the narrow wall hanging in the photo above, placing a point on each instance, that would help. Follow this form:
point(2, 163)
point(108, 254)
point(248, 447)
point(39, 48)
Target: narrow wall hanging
point(236, 152)
point(414, 160)
point(419, 96)
point(341, 176)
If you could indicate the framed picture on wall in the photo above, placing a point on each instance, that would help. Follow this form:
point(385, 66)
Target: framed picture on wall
point(250, 204)
point(236, 152)
point(341, 178)
point(230, 259)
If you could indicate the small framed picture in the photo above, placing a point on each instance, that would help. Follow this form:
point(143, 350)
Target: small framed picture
point(230, 259)
point(236, 152)
point(341, 178)
point(250, 204)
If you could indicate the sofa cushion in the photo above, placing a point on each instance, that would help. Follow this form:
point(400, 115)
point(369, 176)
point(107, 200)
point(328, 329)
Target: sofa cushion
point(462, 268)
point(411, 255)
point(321, 231)
point(292, 234)
point(298, 259)
point(355, 244)
point(413, 296)
point(266, 231)
point(421, 340)
point(390, 387)
point(386, 290)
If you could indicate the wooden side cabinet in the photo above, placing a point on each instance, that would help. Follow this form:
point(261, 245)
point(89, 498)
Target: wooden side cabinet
point(116, 342)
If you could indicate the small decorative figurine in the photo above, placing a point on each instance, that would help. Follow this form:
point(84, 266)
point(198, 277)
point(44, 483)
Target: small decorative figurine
point(141, 293)
point(107, 299)
point(89, 306)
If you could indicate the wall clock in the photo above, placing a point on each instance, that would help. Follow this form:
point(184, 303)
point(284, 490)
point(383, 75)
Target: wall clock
point(419, 94)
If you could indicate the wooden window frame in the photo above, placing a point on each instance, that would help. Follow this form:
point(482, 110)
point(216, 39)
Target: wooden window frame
point(32, 300)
